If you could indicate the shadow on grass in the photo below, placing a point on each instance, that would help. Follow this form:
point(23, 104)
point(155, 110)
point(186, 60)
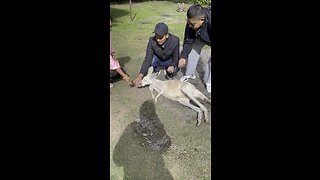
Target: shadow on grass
point(116, 13)
point(124, 60)
point(141, 145)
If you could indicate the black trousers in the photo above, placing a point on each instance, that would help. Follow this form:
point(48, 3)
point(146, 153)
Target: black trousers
point(115, 75)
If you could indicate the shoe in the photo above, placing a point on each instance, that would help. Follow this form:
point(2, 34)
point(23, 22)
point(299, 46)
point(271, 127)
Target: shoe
point(208, 86)
point(111, 85)
point(187, 77)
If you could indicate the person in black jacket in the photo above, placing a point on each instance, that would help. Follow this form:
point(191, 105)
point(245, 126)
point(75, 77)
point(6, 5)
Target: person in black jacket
point(162, 52)
point(197, 34)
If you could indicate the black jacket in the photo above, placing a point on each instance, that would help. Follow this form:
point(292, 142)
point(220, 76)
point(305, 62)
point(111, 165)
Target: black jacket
point(169, 50)
point(203, 33)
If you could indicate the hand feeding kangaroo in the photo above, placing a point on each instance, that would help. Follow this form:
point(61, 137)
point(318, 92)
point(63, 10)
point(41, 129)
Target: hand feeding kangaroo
point(177, 90)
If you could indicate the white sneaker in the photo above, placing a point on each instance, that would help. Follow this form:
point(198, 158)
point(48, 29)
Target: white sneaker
point(187, 77)
point(111, 85)
point(208, 86)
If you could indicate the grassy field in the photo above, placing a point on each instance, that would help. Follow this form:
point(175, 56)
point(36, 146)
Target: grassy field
point(137, 32)
point(189, 155)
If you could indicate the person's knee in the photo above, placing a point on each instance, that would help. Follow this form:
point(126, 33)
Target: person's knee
point(113, 74)
point(154, 63)
point(155, 60)
point(156, 67)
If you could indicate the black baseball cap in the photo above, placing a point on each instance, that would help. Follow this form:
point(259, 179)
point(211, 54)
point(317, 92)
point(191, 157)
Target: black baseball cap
point(161, 29)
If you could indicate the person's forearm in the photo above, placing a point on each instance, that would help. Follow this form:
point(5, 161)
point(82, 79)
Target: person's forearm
point(119, 70)
point(175, 57)
point(189, 37)
point(148, 60)
point(186, 50)
point(140, 76)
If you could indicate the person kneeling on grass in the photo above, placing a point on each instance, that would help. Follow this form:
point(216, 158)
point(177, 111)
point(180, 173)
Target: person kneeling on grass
point(162, 52)
point(115, 69)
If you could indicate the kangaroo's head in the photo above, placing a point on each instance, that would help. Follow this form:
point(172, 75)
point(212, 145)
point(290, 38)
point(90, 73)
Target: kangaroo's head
point(149, 78)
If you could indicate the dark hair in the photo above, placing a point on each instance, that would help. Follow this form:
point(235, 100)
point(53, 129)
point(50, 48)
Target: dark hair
point(111, 19)
point(195, 11)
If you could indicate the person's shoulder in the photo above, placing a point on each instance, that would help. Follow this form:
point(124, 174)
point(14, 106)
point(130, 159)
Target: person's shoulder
point(151, 40)
point(207, 10)
point(174, 37)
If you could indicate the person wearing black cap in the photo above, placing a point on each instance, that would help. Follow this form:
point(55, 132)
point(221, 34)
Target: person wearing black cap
point(162, 52)
point(197, 34)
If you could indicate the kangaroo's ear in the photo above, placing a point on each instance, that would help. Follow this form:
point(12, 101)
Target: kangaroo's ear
point(150, 70)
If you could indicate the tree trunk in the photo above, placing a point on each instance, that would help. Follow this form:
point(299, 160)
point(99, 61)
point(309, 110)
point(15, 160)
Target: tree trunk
point(130, 11)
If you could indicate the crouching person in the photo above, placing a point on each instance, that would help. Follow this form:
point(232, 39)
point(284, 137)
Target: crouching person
point(162, 53)
point(116, 71)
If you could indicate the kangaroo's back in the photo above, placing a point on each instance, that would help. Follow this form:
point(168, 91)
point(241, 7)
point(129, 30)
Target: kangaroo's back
point(176, 89)
point(172, 89)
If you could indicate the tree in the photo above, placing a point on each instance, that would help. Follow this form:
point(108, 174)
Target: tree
point(130, 10)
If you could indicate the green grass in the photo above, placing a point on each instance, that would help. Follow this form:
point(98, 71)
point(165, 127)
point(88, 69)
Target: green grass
point(130, 38)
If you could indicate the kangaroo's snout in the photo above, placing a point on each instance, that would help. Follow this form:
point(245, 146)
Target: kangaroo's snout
point(144, 82)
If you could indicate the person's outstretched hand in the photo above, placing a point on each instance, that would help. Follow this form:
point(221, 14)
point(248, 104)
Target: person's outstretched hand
point(182, 63)
point(137, 82)
point(127, 79)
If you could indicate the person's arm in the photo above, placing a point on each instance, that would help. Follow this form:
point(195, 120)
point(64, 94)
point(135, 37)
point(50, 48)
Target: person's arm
point(119, 71)
point(148, 59)
point(189, 37)
point(146, 64)
point(124, 76)
point(137, 82)
point(175, 56)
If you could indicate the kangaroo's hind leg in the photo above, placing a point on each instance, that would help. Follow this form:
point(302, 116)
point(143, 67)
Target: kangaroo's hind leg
point(187, 90)
point(186, 102)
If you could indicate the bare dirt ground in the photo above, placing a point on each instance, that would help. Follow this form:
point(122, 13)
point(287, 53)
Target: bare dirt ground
point(158, 141)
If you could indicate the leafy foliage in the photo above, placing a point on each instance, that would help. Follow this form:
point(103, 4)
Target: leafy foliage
point(202, 2)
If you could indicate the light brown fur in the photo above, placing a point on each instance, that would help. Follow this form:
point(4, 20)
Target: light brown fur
point(179, 91)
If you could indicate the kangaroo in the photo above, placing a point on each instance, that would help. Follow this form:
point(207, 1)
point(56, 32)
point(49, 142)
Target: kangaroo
point(179, 91)
point(181, 7)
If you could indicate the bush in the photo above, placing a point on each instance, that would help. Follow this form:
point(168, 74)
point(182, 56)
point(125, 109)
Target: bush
point(202, 2)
